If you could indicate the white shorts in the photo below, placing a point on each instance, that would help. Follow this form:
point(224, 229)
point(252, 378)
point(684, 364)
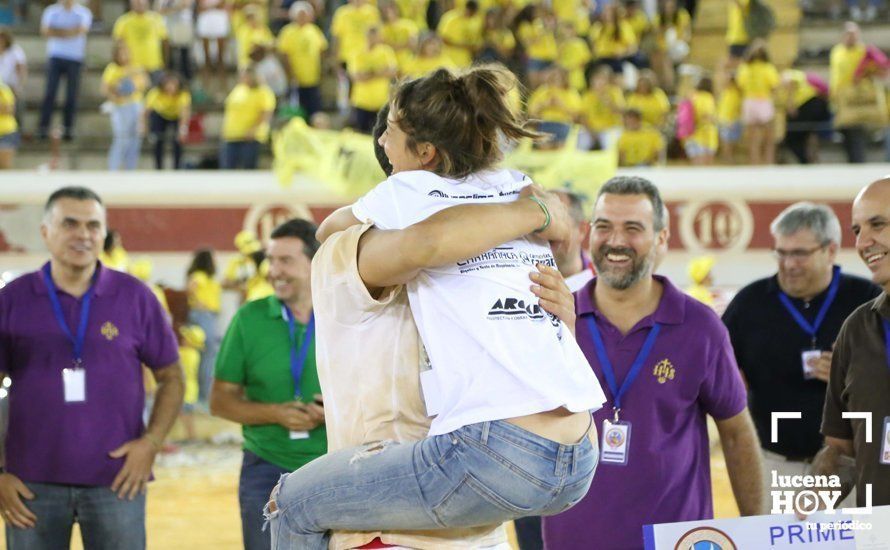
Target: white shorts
point(758, 111)
point(213, 24)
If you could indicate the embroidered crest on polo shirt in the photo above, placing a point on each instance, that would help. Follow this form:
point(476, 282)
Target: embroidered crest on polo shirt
point(109, 331)
point(663, 371)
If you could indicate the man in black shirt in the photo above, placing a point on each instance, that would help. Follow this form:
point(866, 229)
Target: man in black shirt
point(783, 330)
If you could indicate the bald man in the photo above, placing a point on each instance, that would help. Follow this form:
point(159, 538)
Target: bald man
point(858, 449)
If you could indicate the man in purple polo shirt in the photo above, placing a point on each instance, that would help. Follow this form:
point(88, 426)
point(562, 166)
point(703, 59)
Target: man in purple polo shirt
point(667, 362)
point(73, 338)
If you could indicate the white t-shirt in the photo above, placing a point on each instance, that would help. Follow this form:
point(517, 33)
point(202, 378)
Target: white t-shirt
point(494, 353)
point(387, 404)
point(9, 59)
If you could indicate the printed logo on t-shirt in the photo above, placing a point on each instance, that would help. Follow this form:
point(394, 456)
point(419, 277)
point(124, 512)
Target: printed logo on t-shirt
point(109, 331)
point(512, 309)
point(663, 371)
point(505, 257)
point(443, 195)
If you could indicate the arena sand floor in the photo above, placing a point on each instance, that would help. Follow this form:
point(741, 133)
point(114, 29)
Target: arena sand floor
point(193, 502)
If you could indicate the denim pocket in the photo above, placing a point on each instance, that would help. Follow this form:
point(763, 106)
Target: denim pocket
point(471, 504)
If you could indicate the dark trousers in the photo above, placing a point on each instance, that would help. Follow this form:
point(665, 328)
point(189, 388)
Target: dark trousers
point(239, 155)
point(57, 68)
point(528, 533)
point(160, 127)
point(181, 61)
point(258, 478)
point(365, 120)
point(811, 117)
point(855, 143)
point(310, 100)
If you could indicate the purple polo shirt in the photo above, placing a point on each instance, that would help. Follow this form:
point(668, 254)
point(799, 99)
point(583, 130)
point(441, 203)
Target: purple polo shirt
point(690, 372)
point(50, 441)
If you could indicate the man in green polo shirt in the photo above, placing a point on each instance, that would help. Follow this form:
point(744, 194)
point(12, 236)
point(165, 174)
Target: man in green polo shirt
point(266, 379)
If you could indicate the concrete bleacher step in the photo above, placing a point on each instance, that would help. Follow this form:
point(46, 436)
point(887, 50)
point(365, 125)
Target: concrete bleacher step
point(825, 34)
point(712, 14)
point(98, 160)
point(709, 49)
point(95, 125)
point(90, 90)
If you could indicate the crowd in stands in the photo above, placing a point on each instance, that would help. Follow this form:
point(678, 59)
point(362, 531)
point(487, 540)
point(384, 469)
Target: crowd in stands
point(615, 69)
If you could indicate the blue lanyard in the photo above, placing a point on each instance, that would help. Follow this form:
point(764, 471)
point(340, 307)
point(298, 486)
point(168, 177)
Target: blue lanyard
point(886, 339)
point(298, 354)
point(811, 330)
point(78, 340)
point(609, 372)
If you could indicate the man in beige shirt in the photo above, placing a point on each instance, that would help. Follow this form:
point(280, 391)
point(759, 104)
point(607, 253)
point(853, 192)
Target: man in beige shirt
point(370, 355)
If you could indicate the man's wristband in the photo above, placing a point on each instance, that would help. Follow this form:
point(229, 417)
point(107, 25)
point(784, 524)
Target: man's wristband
point(543, 206)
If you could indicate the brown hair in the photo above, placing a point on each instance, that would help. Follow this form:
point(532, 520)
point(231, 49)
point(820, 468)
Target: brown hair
point(463, 115)
point(6, 36)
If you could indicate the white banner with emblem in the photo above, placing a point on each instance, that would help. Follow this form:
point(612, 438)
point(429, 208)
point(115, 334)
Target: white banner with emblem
point(868, 531)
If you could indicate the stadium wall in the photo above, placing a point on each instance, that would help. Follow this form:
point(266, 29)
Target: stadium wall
point(721, 211)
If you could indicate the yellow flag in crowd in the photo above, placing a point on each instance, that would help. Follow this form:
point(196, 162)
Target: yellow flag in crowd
point(345, 161)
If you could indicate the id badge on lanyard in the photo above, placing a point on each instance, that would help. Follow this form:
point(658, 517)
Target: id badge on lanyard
point(813, 353)
point(74, 379)
point(298, 357)
point(615, 447)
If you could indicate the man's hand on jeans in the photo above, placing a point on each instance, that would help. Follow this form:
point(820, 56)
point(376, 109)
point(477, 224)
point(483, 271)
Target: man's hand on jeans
point(12, 508)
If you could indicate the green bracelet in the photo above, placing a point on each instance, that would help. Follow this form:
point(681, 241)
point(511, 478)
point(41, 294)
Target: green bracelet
point(543, 206)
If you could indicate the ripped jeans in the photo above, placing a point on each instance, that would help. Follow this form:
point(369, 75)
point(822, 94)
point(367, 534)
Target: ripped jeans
point(481, 474)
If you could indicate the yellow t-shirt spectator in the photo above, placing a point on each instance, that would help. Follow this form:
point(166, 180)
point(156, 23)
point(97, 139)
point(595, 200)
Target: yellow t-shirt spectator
point(248, 37)
point(804, 91)
point(729, 108)
point(204, 292)
point(705, 107)
point(128, 82)
point(190, 359)
point(8, 124)
point(757, 80)
point(350, 27)
point(681, 26)
point(143, 34)
point(570, 11)
point(117, 259)
point(373, 93)
point(653, 106)
point(168, 106)
point(639, 23)
point(303, 45)
point(502, 40)
point(574, 54)
point(245, 107)
point(640, 147)
point(400, 36)
point(415, 10)
point(607, 42)
point(419, 66)
point(554, 104)
point(602, 112)
point(843, 63)
point(539, 41)
point(736, 35)
point(462, 35)
point(237, 9)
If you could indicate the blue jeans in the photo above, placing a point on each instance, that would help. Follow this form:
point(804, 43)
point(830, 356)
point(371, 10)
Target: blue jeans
point(242, 155)
point(481, 474)
point(258, 478)
point(208, 321)
point(56, 68)
point(125, 141)
point(106, 522)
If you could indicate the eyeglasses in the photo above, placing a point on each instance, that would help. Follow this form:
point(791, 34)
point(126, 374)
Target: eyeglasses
point(797, 253)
